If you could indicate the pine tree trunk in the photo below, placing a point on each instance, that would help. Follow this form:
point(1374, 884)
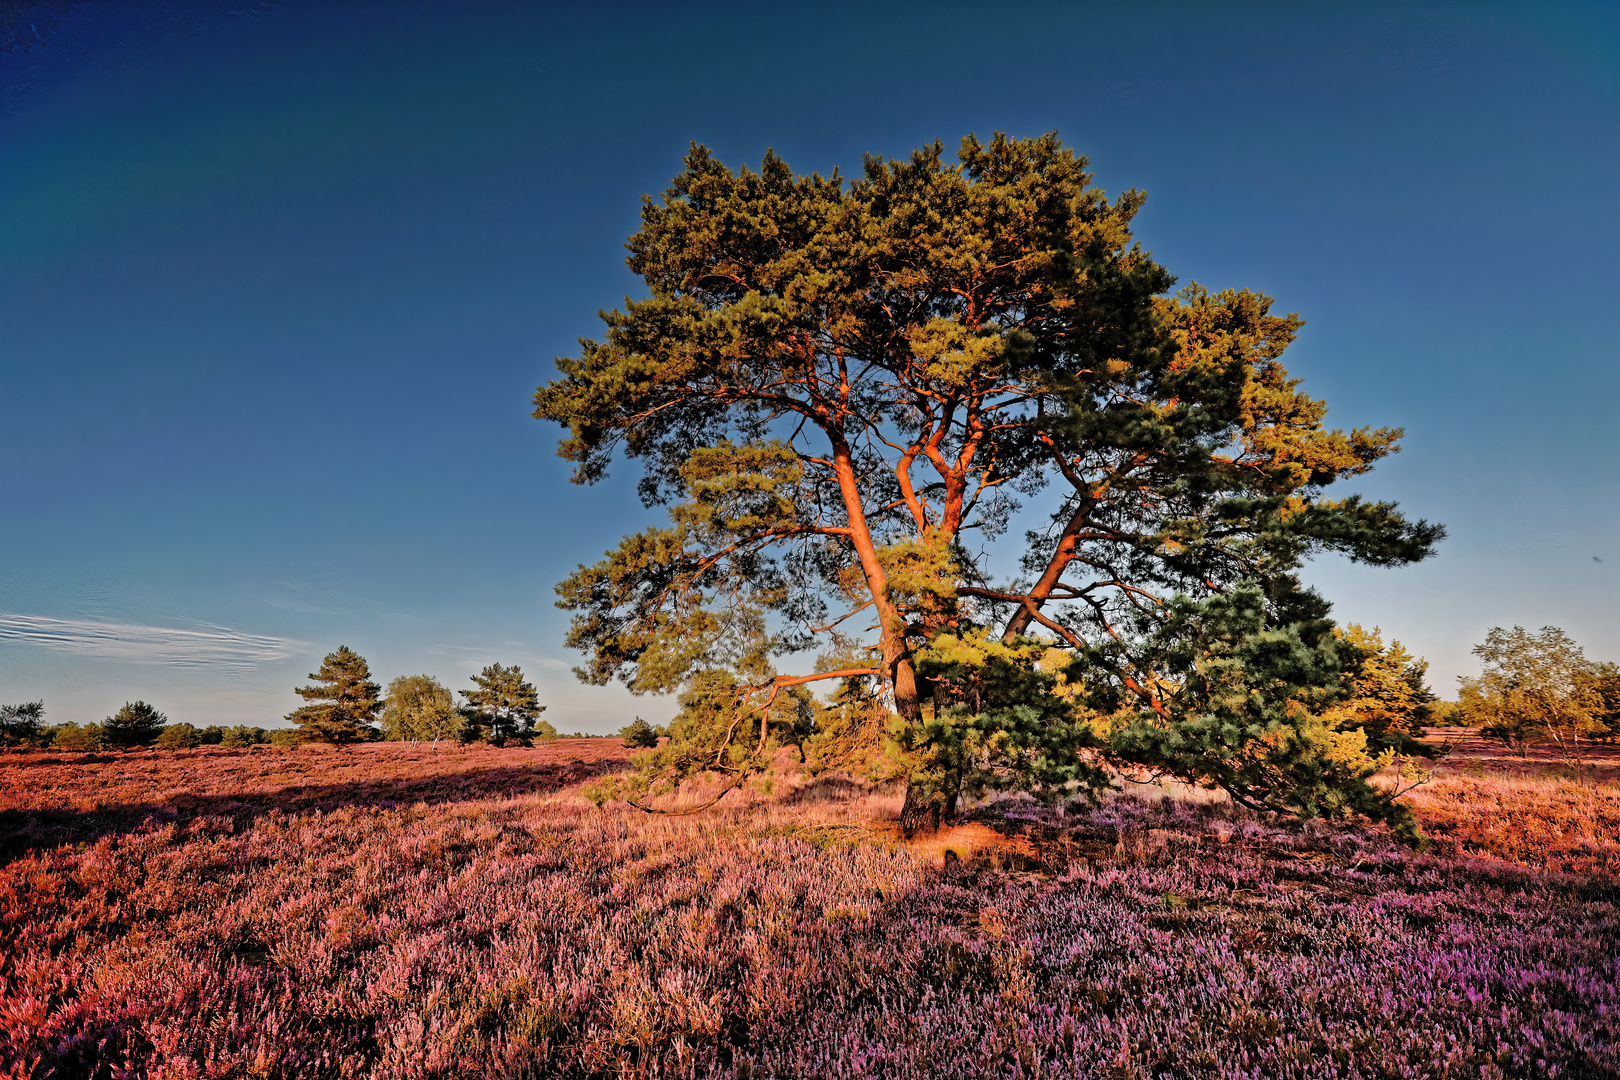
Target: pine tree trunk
point(919, 812)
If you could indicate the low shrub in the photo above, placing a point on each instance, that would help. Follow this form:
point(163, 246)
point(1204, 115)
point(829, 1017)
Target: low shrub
point(638, 735)
point(179, 737)
point(242, 736)
point(76, 737)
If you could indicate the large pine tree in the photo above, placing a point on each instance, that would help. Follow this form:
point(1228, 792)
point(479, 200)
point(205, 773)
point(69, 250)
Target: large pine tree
point(843, 390)
point(344, 701)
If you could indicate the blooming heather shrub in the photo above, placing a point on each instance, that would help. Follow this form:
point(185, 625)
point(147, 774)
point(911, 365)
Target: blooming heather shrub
point(379, 912)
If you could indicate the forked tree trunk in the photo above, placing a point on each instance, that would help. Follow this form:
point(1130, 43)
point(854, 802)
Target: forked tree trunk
point(897, 659)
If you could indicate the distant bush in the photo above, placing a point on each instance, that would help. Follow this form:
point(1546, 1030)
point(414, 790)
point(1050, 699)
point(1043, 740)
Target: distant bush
point(179, 737)
point(639, 734)
point(77, 737)
point(242, 736)
point(1448, 714)
point(1600, 685)
point(213, 734)
point(136, 724)
point(287, 737)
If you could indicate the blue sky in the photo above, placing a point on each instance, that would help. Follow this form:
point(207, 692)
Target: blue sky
point(278, 280)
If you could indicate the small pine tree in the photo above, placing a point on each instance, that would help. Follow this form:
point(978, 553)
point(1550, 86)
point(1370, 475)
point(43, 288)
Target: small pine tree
point(136, 724)
point(639, 734)
point(346, 701)
point(419, 708)
point(507, 705)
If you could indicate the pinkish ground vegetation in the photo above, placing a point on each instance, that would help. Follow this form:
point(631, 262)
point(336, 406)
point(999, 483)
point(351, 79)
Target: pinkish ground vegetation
point(385, 911)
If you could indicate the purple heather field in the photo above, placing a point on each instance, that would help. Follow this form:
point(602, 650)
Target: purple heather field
point(385, 911)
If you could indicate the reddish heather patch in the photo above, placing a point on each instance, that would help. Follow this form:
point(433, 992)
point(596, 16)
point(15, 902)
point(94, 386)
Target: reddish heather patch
point(1549, 824)
point(290, 777)
point(1471, 754)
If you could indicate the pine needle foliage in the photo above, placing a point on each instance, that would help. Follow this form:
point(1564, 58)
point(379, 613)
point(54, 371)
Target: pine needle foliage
point(344, 701)
point(841, 390)
point(136, 724)
point(638, 734)
point(22, 725)
point(504, 705)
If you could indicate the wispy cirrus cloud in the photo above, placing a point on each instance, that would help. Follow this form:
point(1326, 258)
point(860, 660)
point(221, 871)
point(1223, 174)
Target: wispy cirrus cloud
point(209, 646)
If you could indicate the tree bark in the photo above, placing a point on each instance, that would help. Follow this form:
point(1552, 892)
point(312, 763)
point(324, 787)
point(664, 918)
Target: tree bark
point(897, 659)
point(1067, 548)
point(919, 811)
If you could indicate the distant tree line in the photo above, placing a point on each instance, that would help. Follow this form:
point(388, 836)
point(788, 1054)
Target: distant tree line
point(137, 724)
point(347, 706)
point(1540, 688)
point(344, 706)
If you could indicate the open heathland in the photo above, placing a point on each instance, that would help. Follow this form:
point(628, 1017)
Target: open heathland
point(389, 911)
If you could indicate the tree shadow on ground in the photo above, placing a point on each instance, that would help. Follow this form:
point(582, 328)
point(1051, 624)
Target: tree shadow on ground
point(25, 830)
point(823, 788)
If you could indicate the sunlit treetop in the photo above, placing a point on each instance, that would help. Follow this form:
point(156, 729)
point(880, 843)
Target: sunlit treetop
point(836, 380)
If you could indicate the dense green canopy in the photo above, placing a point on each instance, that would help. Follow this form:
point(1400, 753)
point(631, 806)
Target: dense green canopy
point(136, 724)
point(505, 705)
point(843, 390)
